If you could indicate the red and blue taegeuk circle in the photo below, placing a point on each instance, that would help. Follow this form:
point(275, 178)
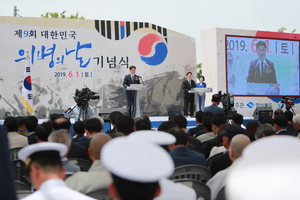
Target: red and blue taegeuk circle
point(153, 49)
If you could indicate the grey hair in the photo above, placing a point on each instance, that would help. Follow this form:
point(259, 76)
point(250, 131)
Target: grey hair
point(60, 136)
point(266, 129)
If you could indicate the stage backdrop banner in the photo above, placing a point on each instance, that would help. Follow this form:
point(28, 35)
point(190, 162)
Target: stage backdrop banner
point(70, 54)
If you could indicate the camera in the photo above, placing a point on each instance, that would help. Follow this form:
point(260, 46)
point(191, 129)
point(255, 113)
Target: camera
point(84, 95)
point(289, 102)
point(228, 104)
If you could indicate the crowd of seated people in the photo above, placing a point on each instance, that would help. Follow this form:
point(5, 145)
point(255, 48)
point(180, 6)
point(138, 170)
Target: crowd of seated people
point(216, 143)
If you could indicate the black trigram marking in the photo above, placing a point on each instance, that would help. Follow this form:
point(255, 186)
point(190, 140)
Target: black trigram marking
point(29, 96)
point(118, 30)
point(27, 69)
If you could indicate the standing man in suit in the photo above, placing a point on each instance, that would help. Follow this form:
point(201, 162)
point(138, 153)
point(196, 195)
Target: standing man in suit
point(131, 78)
point(189, 98)
point(261, 70)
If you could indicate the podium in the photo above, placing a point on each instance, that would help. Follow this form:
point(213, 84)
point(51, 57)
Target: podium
point(137, 88)
point(197, 90)
point(202, 90)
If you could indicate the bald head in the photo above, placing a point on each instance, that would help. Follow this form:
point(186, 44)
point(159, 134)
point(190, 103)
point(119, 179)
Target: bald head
point(61, 123)
point(96, 144)
point(237, 145)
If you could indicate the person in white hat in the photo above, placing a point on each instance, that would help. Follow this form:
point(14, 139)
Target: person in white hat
point(169, 189)
point(268, 169)
point(136, 168)
point(43, 164)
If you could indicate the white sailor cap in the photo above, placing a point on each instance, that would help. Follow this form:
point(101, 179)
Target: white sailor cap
point(155, 137)
point(268, 169)
point(26, 152)
point(137, 161)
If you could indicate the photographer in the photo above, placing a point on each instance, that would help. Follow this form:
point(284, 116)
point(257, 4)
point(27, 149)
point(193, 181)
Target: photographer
point(81, 110)
point(214, 107)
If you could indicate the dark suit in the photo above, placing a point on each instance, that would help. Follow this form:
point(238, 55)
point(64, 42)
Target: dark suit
point(285, 132)
point(219, 163)
point(261, 74)
point(184, 156)
point(78, 151)
point(198, 129)
point(209, 144)
point(130, 94)
point(32, 138)
point(189, 98)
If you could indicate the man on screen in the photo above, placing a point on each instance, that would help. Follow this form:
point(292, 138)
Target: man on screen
point(261, 70)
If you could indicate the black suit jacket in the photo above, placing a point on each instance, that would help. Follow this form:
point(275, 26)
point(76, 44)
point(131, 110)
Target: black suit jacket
point(186, 87)
point(127, 81)
point(219, 163)
point(209, 144)
point(285, 132)
point(78, 151)
point(268, 76)
point(195, 130)
point(32, 138)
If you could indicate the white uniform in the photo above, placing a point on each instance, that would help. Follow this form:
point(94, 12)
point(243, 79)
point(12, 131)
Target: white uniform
point(217, 182)
point(96, 178)
point(56, 189)
point(175, 191)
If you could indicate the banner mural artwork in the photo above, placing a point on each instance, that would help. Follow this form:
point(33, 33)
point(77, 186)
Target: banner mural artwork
point(69, 54)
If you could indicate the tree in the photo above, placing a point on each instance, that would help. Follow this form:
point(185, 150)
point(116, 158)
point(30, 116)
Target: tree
point(199, 70)
point(61, 15)
point(282, 29)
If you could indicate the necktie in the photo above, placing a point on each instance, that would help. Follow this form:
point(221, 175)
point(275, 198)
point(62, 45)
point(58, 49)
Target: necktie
point(261, 68)
point(132, 78)
point(190, 83)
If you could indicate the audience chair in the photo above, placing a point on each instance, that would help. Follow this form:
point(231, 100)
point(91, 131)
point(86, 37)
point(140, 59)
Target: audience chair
point(208, 161)
point(14, 153)
point(191, 172)
point(21, 185)
point(23, 193)
point(83, 164)
point(19, 170)
point(101, 194)
point(221, 194)
point(202, 190)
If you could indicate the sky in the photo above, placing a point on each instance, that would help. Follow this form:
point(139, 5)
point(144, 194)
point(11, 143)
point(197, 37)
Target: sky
point(188, 17)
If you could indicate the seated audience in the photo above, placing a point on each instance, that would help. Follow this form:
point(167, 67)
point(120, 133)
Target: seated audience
point(44, 166)
point(62, 136)
point(125, 125)
point(42, 133)
point(113, 119)
point(31, 123)
point(251, 128)
point(135, 181)
point(280, 125)
point(14, 138)
point(268, 169)
point(79, 132)
point(264, 130)
point(296, 120)
point(179, 151)
point(86, 182)
point(290, 127)
point(223, 160)
point(237, 145)
point(209, 134)
point(237, 119)
point(199, 129)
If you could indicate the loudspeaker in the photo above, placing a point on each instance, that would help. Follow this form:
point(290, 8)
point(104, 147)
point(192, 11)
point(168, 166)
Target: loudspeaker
point(54, 113)
point(260, 110)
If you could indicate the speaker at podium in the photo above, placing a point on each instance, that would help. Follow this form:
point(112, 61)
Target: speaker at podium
point(260, 110)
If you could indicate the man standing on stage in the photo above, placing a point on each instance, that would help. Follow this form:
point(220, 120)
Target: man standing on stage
point(189, 98)
point(131, 78)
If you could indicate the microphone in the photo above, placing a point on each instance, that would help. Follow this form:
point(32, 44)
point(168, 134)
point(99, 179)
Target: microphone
point(137, 76)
